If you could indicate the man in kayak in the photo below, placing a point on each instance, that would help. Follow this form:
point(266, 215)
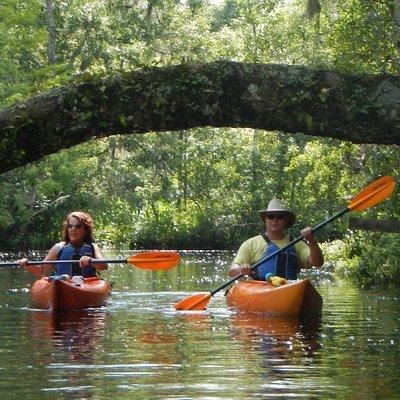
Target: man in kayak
point(77, 244)
point(304, 254)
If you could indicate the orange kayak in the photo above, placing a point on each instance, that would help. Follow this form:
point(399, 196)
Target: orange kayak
point(294, 299)
point(59, 294)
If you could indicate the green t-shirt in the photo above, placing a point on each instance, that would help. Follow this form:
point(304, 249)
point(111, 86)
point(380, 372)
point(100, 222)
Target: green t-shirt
point(252, 250)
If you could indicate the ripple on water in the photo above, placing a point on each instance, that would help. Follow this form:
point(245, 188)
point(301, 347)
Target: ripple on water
point(139, 346)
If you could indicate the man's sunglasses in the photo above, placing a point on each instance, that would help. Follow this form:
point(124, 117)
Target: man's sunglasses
point(276, 216)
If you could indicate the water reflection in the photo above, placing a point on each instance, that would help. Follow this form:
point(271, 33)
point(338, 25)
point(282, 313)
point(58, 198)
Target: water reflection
point(154, 335)
point(77, 333)
point(277, 336)
point(139, 346)
point(76, 339)
point(283, 349)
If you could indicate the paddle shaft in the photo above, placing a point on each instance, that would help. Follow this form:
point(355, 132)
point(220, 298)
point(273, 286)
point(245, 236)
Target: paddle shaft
point(294, 241)
point(93, 261)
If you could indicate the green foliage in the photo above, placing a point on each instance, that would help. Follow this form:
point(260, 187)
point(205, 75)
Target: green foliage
point(369, 35)
point(366, 259)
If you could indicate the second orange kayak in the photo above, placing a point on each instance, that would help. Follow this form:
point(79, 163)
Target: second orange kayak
point(294, 299)
point(59, 294)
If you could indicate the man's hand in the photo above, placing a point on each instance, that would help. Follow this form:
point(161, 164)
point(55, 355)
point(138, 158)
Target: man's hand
point(308, 235)
point(237, 269)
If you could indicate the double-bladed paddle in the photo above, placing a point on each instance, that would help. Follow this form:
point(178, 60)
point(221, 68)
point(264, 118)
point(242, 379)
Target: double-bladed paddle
point(153, 260)
point(373, 194)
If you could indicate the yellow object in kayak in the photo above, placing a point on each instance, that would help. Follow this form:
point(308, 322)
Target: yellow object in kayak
point(275, 280)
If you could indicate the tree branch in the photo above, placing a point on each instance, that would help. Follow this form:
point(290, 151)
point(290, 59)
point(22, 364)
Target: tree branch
point(360, 109)
point(375, 225)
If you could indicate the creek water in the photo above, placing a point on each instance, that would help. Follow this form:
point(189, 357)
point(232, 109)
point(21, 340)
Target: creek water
point(138, 346)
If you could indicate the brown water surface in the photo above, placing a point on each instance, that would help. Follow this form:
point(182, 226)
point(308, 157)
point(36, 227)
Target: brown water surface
point(138, 346)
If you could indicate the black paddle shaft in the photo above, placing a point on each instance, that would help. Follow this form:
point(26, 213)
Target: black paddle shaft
point(294, 241)
point(93, 261)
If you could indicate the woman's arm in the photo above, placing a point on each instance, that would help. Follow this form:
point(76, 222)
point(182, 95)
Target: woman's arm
point(43, 269)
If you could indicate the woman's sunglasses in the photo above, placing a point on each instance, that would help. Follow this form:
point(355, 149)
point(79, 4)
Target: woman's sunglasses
point(276, 216)
point(77, 226)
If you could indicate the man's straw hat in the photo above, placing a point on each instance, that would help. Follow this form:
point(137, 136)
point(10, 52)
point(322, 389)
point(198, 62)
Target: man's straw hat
point(276, 206)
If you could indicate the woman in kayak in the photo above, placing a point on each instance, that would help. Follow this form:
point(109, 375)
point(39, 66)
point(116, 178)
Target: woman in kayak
point(77, 244)
point(304, 254)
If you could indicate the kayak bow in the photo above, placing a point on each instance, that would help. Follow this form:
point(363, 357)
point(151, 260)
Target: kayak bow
point(294, 299)
point(59, 294)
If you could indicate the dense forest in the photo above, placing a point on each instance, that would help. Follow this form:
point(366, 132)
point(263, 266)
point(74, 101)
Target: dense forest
point(198, 188)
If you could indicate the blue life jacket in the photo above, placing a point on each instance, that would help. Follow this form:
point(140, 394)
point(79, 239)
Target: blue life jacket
point(284, 264)
point(69, 252)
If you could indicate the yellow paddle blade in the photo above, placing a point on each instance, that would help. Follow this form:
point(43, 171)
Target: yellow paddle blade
point(155, 260)
point(198, 301)
point(373, 194)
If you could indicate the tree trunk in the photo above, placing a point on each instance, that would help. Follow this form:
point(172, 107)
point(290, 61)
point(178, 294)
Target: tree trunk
point(51, 31)
point(360, 109)
point(375, 225)
point(396, 23)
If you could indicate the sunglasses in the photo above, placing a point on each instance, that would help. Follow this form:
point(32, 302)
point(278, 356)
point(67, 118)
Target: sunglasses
point(76, 226)
point(276, 216)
